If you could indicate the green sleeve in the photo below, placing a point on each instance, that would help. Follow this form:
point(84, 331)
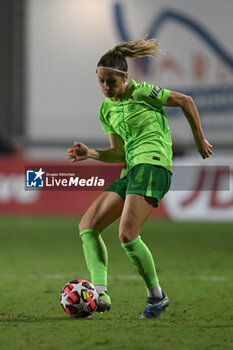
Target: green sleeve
point(154, 95)
point(108, 129)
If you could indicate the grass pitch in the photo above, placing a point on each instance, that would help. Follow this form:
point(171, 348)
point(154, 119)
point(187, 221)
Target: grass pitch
point(38, 256)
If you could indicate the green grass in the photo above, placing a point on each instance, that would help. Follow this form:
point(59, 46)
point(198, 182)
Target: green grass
point(194, 262)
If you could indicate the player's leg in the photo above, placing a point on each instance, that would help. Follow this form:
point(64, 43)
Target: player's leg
point(105, 209)
point(136, 210)
point(102, 212)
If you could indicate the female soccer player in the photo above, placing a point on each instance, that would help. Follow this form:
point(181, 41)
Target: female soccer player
point(133, 116)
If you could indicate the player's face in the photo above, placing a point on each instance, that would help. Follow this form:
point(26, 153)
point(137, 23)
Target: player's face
point(111, 83)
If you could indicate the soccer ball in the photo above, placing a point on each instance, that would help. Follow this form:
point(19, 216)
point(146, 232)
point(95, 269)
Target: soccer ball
point(79, 298)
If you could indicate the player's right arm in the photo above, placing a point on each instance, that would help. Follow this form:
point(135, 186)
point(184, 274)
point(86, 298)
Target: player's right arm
point(115, 154)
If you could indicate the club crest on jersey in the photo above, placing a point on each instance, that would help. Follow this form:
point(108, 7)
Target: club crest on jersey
point(131, 107)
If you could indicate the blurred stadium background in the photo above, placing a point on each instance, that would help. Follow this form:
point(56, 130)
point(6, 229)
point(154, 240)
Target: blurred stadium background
point(50, 95)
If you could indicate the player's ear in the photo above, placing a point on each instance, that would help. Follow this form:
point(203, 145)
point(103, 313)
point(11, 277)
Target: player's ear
point(126, 77)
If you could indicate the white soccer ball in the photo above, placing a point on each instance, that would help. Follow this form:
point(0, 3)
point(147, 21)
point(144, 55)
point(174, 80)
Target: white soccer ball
point(79, 298)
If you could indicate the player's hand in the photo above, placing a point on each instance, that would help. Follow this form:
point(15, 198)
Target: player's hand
point(79, 151)
point(204, 148)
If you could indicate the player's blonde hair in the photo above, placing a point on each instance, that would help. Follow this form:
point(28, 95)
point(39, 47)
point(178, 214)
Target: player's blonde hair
point(115, 58)
point(137, 48)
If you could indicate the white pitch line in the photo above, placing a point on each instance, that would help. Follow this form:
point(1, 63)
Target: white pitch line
point(116, 277)
point(214, 278)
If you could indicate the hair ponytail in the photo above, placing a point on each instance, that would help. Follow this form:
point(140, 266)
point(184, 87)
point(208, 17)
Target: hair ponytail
point(115, 58)
point(138, 48)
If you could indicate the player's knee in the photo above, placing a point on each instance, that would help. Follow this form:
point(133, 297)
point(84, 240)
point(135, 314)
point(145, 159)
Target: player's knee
point(125, 234)
point(81, 226)
point(86, 223)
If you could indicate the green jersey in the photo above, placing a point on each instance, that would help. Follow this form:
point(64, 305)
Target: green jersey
point(141, 121)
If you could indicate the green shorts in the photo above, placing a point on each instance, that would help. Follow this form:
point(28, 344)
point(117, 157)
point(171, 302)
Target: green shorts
point(143, 179)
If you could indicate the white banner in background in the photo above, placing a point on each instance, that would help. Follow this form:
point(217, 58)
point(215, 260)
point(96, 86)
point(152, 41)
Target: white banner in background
point(210, 191)
point(66, 38)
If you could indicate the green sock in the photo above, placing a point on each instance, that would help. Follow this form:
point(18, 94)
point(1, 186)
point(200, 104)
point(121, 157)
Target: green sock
point(141, 258)
point(96, 256)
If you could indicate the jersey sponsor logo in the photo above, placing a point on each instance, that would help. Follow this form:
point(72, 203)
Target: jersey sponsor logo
point(126, 130)
point(35, 178)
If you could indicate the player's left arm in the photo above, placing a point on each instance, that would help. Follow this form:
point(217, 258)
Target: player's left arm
point(190, 111)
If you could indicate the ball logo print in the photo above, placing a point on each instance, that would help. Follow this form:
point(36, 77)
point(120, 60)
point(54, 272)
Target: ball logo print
point(79, 298)
point(87, 296)
point(35, 178)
